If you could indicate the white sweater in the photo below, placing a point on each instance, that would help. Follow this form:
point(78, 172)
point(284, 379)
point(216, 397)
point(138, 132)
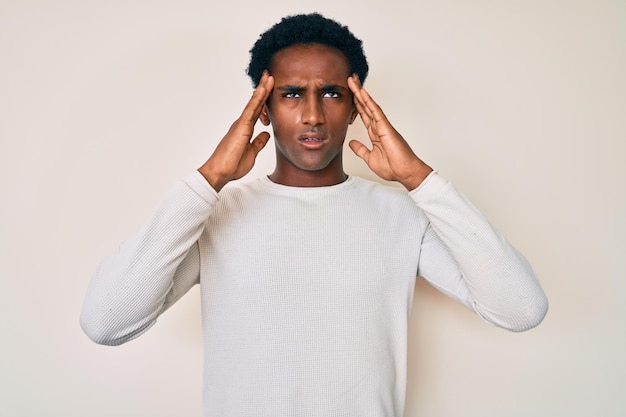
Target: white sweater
point(306, 292)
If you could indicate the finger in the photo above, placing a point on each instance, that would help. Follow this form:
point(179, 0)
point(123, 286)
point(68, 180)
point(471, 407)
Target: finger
point(260, 141)
point(354, 84)
point(360, 150)
point(371, 107)
point(261, 93)
point(365, 111)
point(362, 97)
point(367, 121)
point(355, 87)
point(267, 84)
point(255, 105)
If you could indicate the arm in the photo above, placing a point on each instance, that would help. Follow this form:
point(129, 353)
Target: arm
point(235, 154)
point(462, 254)
point(467, 259)
point(153, 269)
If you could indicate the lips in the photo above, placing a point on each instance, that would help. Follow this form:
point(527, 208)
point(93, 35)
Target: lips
point(312, 140)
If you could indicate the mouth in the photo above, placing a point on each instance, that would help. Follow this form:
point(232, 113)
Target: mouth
point(312, 140)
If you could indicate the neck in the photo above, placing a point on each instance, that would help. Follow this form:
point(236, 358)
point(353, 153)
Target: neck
point(293, 177)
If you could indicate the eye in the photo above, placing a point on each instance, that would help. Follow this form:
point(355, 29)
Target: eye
point(331, 94)
point(291, 95)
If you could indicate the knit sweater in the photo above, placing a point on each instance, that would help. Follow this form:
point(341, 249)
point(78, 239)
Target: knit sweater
point(306, 292)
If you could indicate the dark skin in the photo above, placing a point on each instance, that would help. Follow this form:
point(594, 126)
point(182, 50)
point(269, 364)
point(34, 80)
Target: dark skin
point(310, 100)
point(310, 109)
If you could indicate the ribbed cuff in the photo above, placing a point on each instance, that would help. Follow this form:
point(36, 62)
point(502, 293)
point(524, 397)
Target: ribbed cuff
point(201, 186)
point(430, 189)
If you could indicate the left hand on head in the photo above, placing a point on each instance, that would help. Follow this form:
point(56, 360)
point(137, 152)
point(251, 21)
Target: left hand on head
point(391, 157)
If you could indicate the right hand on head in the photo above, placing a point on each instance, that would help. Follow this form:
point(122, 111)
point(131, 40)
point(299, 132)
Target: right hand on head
point(234, 156)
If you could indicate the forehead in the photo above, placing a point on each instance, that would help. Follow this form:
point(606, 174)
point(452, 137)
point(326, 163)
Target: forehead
point(310, 61)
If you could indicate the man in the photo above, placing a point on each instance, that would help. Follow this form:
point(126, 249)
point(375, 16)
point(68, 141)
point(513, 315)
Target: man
point(307, 275)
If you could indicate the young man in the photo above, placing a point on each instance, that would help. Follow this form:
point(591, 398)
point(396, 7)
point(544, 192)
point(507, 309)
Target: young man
point(307, 275)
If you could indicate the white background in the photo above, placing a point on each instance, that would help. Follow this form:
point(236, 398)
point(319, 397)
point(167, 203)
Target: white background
point(521, 104)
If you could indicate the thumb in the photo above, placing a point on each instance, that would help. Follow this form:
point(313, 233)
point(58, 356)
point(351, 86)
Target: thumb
point(359, 149)
point(260, 141)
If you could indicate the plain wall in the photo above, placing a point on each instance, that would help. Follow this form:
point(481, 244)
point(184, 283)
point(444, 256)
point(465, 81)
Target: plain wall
point(521, 104)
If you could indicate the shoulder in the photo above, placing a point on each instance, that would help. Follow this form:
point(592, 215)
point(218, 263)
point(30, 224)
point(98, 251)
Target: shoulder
point(385, 197)
point(384, 192)
point(388, 206)
point(238, 193)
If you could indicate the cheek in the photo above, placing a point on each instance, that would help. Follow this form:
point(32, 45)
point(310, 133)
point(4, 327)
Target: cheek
point(282, 115)
point(344, 111)
point(343, 118)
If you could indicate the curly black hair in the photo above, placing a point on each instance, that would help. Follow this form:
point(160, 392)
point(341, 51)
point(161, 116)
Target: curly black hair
point(306, 29)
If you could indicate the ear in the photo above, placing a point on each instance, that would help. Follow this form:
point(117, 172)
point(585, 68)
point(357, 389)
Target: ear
point(265, 119)
point(353, 116)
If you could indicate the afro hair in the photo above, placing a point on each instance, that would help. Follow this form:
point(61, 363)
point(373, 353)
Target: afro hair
point(306, 29)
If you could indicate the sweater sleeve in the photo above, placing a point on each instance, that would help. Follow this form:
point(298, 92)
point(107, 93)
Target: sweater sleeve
point(467, 259)
point(151, 270)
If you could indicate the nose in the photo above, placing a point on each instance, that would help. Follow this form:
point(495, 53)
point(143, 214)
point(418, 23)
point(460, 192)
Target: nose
point(313, 111)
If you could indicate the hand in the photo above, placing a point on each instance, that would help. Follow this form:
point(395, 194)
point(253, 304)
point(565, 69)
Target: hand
point(391, 157)
point(234, 156)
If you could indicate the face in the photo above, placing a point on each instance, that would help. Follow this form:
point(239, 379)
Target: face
point(310, 109)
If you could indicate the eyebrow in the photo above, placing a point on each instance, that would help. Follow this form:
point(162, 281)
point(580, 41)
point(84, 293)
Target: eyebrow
point(289, 88)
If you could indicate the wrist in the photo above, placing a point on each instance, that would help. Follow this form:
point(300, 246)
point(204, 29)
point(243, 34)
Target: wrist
point(214, 179)
point(417, 177)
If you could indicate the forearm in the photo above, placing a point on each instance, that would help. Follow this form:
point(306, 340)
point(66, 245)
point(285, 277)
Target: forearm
point(150, 270)
point(502, 286)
